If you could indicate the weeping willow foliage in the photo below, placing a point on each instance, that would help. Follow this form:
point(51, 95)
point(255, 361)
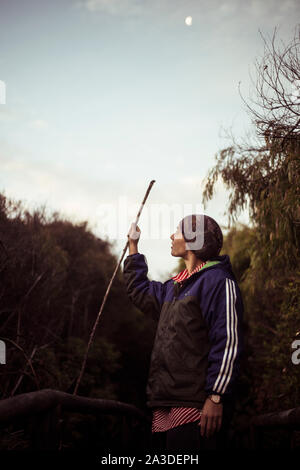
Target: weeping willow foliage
point(265, 180)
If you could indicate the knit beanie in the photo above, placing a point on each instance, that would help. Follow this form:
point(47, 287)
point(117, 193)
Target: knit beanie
point(203, 235)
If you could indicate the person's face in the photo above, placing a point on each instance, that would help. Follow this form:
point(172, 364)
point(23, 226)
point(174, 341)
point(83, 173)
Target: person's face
point(178, 243)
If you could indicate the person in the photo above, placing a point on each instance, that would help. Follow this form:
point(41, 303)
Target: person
point(195, 360)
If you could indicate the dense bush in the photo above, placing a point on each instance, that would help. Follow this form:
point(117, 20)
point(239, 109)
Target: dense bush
point(53, 276)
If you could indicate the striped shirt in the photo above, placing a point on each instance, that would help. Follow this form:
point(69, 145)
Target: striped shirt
point(165, 418)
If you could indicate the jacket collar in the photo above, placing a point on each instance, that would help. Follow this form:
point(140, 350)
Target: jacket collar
point(184, 274)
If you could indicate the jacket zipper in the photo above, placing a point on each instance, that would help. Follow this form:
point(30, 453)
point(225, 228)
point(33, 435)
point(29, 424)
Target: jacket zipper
point(176, 296)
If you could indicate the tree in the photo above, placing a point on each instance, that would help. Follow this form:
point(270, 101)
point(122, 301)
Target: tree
point(53, 275)
point(276, 110)
point(263, 175)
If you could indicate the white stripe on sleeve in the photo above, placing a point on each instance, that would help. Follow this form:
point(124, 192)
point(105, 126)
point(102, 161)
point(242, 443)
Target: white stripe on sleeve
point(230, 351)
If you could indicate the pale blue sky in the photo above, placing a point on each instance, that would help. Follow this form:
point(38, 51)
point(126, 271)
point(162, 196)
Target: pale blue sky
point(105, 95)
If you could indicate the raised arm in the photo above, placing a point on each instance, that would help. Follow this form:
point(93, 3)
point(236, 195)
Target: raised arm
point(145, 294)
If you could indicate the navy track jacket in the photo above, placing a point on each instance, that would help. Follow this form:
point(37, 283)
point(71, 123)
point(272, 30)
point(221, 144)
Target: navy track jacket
point(198, 340)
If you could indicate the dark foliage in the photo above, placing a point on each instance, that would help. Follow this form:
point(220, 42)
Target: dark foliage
point(53, 275)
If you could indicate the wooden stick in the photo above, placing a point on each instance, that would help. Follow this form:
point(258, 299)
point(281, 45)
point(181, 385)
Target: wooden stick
point(107, 292)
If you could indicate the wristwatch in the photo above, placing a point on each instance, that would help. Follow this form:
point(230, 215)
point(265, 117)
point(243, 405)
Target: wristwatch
point(217, 399)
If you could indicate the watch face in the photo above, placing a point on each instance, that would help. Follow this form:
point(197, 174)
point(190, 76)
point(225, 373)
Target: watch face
point(216, 398)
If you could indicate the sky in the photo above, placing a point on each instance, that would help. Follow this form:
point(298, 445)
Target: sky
point(103, 96)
